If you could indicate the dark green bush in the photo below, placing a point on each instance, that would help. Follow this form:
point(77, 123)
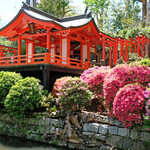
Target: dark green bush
point(24, 97)
point(7, 80)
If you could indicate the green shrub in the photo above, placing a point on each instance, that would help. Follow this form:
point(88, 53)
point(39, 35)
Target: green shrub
point(143, 62)
point(48, 102)
point(74, 95)
point(7, 80)
point(24, 97)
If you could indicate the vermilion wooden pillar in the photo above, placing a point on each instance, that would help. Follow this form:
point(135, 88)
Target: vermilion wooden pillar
point(121, 49)
point(68, 46)
point(26, 47)
point(1, 52)
point(60, 46)
point(48, 40)
point(81, 52)
point(126, 52)
point(103, 56)
point(110, 54)
point(131, 47)
point(88, 52)
point(19, 45)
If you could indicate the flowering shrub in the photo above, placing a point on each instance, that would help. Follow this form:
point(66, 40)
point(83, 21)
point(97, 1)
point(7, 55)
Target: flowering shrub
point(58, 84)
point(94, 77)
point(121, 75)
point(129, 103)
point(85, 76)
point(147, 108)
point(111, 87)
point(74, 94)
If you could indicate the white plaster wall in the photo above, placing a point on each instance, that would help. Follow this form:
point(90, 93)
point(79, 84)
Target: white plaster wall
point(64, 49)
point(52, 52)
point(84, 52)
point(29, 51)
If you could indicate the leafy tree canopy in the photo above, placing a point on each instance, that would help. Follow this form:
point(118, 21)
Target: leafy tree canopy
point(58, 8)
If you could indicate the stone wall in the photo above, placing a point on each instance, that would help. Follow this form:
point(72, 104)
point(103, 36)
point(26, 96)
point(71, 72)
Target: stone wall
point(77, 131)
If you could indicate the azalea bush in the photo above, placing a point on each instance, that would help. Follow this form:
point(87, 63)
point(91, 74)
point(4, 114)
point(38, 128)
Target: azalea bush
point(7, 80)
point(94, 77)
point(120, 76)
point(147, 108)
point(58, 84)
point(24, 97)
point(129, 104)
point(74, 95)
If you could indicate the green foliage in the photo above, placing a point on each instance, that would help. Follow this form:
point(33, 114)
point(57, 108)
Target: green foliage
point(58, 8)
point(125, 18)
point(48, 102)
point(24, 97)
point(74, 95)
point(99, 9)
point(145, 62)
point(7, 80)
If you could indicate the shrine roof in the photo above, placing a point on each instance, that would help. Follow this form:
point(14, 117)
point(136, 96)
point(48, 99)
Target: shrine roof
point(70, 22)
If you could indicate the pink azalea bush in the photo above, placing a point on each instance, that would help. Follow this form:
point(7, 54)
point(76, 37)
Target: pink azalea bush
point(128, 104)
point(58, 84)
point(94, 78)
point(120, 76)
point(147, 108)
point(74, 95)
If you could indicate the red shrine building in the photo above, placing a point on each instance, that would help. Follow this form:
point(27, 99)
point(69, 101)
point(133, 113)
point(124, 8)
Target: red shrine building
point(70, 45)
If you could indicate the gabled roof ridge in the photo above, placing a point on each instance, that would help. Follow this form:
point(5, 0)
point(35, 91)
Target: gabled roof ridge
point(75, 17)
point(26, 6)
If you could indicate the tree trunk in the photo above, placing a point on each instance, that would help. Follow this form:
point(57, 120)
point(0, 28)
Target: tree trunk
point(144, 12)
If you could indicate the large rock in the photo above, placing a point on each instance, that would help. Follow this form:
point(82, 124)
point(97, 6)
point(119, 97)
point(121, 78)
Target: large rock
point(54, 122)
point(138, 145)
point(86, 127)
point(145, 136)
point(123, 132)
point(91, 127)
point(134, 135)
point(104, 147)
point(103, 129)
point(88, 133)
point(127, 143)
point(100, 137)
point(94, 127)
point(113, 130)
point(115, 141)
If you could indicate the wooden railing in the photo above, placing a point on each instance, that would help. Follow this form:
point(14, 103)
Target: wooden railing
point(44, 58)
point(5, 49)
